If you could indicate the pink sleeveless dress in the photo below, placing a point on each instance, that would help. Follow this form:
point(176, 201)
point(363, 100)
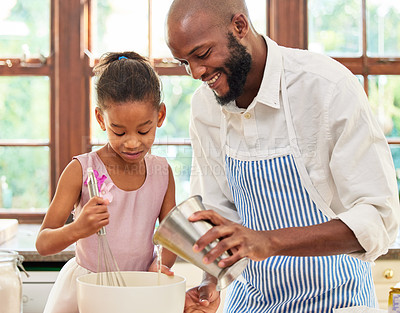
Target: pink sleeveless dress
point(133, 214)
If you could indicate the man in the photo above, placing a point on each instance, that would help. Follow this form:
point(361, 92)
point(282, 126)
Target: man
point(285, 148)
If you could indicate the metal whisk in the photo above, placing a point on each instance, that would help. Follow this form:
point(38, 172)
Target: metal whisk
point(107, 267)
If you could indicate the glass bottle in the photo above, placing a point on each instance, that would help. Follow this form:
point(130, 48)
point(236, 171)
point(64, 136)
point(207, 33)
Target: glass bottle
point(10, 282)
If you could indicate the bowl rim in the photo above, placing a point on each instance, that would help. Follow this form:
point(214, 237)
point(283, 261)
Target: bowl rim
point(182, 281)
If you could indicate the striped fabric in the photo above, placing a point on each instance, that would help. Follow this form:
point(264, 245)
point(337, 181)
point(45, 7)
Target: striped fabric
point(269, 195)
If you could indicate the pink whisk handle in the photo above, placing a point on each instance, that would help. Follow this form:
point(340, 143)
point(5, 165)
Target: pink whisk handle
point(94, 192)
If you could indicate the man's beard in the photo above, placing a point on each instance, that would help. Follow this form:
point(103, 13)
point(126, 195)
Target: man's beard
point(238, 64)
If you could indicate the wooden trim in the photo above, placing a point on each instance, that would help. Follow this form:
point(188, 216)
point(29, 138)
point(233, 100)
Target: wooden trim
point(52, 176)
point(24, 216)
point(372, 66)
point(287, 22)
point(174, 71)
point(394, 141)
point(72, 129)
point(32, 67)
point(168, 67)
point(355, 65)
point(383, 66)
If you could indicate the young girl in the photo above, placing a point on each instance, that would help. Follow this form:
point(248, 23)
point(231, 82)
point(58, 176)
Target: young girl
point(135, 187)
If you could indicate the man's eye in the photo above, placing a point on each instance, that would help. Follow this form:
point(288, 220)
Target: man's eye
point(204, 55)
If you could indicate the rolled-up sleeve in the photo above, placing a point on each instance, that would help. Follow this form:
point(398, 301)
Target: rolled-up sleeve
point(208, 171)
point(362, 169)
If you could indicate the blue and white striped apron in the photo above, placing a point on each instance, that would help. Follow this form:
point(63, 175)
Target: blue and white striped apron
point(268, 195)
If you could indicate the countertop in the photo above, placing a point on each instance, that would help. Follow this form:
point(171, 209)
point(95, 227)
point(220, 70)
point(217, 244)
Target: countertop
point(24, 244)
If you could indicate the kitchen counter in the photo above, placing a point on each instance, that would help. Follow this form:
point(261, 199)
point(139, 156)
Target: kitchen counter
point(44, 269)
point(24, 244)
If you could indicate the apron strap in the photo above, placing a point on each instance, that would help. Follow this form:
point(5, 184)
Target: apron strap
point(305, 178)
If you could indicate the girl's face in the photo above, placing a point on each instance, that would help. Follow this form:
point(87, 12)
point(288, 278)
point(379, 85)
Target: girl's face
point(131, 127)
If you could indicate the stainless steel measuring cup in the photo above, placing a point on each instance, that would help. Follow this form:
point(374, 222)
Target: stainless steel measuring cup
point(177, 234)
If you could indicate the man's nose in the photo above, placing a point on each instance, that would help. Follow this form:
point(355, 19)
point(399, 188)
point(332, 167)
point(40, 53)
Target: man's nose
point(195, 70)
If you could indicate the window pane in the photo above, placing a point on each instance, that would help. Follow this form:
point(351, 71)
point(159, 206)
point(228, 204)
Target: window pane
point(360, 79)
point(335, 27)
point(180, 160)
point(258, 15)
point(24, 108)
point(120, 25)
point(384, 96)
point(24, 28)
point(160, 10)
point(383, 28)
point(177, 91)
point(24, 173)
point(395, 150)
point(96, 134)
point(256, 8)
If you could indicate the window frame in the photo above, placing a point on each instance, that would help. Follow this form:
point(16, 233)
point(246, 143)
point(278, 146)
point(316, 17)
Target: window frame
point(70, 90)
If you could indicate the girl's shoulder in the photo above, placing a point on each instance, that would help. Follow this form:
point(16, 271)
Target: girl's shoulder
point(90, 159)
point(155, 159)
point(156, 165)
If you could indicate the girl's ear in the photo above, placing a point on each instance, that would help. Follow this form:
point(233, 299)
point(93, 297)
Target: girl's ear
point(161, 115)
point(100, 119)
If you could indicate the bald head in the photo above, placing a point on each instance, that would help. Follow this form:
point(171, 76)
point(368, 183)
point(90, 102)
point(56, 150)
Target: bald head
point(221, 10)
point(217, 43)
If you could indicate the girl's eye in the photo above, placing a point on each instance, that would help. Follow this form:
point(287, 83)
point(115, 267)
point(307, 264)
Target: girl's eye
point(204, 55)
point(119, 135)
point(143, 133)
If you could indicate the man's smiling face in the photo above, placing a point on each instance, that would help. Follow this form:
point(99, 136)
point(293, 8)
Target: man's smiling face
point(210, 54)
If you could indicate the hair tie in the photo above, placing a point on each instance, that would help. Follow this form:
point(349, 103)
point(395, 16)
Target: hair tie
point(120, 58)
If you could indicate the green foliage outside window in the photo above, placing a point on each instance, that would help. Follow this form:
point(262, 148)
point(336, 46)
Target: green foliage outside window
point(24, 115)
point(24, 28)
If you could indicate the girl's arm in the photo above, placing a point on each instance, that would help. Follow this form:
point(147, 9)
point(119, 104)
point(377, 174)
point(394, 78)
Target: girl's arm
point(167, 257)
point(54, 235)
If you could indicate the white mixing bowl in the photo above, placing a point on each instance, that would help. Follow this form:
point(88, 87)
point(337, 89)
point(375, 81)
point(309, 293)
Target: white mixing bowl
point(145, 293)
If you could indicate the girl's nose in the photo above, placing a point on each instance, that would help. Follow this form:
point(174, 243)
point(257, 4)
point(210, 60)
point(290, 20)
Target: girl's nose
point(131, 142)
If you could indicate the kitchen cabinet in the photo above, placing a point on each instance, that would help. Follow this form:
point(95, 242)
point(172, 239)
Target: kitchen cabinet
point(36, 289)
point(43, 270)
point(386, 274)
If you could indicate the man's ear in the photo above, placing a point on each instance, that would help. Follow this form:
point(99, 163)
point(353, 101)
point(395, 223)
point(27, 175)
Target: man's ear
point(100, 118)
point(161, 114)
point(240, 25)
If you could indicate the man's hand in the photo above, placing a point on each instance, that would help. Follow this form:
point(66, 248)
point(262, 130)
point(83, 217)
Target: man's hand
point(240, 240)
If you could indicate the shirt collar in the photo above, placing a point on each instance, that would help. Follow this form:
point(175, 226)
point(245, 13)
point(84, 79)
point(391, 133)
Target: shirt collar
point(268, 93)
point(270, 84)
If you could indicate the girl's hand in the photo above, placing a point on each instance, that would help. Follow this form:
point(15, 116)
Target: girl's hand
point(204, 298)
point(164, 269)
point(94, 215)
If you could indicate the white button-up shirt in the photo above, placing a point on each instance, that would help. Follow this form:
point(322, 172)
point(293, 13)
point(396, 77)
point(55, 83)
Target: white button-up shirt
point(346, 156)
